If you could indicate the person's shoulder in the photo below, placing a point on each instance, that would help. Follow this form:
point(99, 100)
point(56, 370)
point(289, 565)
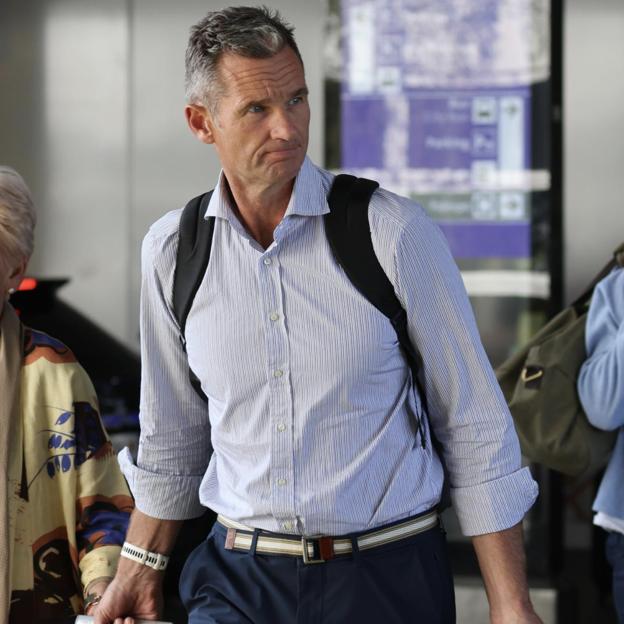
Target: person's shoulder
point(397, 214)
point(38, 344)
point(164, 231)
point(51, 369)
point(606, 309)
point(613, 281)
point(611, 289)
point(59, 400)
point(387, 210)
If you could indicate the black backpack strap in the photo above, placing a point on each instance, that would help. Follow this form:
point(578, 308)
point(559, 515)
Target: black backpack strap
point(194, 244)
point(348, 232)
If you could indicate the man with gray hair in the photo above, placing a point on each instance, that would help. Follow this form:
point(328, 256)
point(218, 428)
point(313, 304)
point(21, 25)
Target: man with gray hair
point(314, 445)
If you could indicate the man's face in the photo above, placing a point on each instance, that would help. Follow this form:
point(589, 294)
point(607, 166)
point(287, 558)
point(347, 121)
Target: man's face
point(260, 126)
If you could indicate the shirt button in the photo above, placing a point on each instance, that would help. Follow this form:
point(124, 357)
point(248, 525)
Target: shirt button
point(267, 261)
point(281, 427)
point(278, 373)
point(281, 482)
point(274, 316)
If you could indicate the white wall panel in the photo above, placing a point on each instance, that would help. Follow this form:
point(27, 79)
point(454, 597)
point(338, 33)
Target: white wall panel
point(593, 137)
point(63, 125)
point(83, 231)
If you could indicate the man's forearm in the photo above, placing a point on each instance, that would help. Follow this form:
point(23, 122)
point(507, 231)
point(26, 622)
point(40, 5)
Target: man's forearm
point(151, 534)
point(502, 562)
point(136, 589)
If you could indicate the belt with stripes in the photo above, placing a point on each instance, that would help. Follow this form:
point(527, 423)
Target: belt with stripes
point(320, 549)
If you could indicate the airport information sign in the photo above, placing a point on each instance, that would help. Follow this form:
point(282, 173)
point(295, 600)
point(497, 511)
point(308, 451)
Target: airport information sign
point(438, 103)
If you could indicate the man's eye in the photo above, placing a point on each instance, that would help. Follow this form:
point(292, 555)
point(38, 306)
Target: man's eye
point(295, 100)
point(255, 108)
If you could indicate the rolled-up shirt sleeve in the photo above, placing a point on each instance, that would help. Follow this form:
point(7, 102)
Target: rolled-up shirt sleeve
point(489, 488)
point(174, 445)
point(600, 383)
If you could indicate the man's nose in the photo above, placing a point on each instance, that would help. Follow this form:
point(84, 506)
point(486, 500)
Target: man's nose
point(282, 126)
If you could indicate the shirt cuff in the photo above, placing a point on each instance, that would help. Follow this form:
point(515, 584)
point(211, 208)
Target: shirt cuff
point(166, 497)
point(495, 505)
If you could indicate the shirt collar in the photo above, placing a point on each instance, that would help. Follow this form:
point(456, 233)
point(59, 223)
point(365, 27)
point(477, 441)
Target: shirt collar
point(309, 196)
point(308, 199)
point(219, 204)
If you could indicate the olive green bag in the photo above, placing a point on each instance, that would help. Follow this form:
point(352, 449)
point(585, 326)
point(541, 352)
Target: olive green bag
point(539, 383)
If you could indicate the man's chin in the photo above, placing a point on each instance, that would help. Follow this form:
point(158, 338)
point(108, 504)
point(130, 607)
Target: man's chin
point(285, 169)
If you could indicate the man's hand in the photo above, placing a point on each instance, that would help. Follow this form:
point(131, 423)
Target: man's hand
point(136, 590)
point(129, 597)
point(502, 562)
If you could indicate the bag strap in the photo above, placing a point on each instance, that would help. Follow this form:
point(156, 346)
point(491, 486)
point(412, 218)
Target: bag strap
point(617, 259)
point(348, 233)
point(349, 236)
point(194, 245)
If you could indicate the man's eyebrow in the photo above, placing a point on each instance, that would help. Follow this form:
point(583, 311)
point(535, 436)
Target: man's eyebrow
point(249, 103)
point(298, 92)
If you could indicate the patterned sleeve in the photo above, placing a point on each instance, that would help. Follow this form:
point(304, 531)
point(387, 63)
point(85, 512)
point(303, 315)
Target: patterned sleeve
point(103, 502)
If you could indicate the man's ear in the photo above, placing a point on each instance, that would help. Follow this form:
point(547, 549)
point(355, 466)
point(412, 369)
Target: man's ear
point(200, 122)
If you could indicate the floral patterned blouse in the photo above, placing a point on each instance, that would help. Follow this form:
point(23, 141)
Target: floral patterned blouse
point(69, 505)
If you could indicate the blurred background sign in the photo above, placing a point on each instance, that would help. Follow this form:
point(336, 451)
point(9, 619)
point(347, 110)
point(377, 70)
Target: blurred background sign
point(451, 103)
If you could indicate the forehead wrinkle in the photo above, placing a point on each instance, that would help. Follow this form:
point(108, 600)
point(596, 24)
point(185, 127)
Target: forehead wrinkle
point(266, 78)
point(263, 78)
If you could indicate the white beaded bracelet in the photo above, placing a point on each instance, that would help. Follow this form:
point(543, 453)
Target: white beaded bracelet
point(144, 557)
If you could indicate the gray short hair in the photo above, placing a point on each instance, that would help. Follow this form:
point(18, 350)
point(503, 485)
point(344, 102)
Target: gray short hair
point(17, 217)
point(253, 32)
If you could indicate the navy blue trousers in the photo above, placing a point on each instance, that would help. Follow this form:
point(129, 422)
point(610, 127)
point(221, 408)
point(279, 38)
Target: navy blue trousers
point(408, 581)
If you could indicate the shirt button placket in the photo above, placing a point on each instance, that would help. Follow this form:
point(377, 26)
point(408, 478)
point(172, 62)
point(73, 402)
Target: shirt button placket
point(280, 402)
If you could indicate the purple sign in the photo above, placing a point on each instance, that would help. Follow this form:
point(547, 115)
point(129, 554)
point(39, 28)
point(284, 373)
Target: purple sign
point(488, 240)
point(436, 98)
point(362, 136)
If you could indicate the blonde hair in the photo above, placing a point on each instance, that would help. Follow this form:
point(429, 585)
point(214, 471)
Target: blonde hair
point(17, 217)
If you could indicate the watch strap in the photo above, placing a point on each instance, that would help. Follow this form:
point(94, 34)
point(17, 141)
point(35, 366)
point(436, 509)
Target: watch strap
point(151, 559)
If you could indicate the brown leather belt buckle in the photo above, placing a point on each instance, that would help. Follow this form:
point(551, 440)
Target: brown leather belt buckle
point(323, 545)
point(230, 538)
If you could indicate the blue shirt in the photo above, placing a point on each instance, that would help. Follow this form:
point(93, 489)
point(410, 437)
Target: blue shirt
point(312, 409)
point(601, 383)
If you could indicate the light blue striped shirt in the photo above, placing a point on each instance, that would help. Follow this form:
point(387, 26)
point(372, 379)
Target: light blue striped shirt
point(311, 403)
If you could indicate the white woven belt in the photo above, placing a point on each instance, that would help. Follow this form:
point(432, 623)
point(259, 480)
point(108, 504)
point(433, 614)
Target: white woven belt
point(319, 549)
